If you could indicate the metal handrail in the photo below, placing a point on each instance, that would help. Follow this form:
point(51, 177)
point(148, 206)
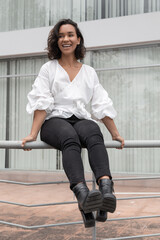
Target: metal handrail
point(56, 182)
point(71, 202)
point(74, 223)
point(108, 144)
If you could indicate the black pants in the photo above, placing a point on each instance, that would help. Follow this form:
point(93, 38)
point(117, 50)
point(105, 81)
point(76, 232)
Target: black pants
point(69, 135)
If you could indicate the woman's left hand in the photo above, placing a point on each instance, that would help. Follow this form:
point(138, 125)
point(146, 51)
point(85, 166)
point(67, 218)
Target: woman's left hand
point(119, 139)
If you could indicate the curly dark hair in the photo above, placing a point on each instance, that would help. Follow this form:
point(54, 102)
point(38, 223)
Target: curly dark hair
point(53, 49)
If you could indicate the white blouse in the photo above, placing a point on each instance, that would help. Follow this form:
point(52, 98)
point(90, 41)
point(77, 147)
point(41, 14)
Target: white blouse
point(53, 92)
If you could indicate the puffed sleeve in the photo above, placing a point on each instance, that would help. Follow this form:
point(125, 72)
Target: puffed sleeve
point(101, 104)
point(40, 97)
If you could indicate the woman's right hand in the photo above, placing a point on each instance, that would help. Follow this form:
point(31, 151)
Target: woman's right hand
point(29, 138)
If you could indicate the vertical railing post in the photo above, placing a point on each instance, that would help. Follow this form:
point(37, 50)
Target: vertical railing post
point(94, 187)
point(7, 114)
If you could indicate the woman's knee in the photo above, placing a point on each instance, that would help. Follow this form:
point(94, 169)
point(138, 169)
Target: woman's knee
point(59, 134)
point(70, 141)
point(89, 131)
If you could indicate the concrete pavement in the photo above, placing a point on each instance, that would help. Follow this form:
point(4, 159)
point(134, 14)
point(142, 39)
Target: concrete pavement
point(39, 194)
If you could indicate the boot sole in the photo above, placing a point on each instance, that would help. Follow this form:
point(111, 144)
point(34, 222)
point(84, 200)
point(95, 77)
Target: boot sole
point(93, 201)
point(101, 216)
point(109, 203)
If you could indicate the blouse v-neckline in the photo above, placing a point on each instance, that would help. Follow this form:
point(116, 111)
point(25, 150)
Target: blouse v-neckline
point(68, 74)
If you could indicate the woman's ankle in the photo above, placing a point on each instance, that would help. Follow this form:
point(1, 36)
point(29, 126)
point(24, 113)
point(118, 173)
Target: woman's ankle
point(103, 177)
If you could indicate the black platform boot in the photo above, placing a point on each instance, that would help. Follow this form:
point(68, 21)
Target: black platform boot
point(109, 200)
point(101, 216)
point(88, 201)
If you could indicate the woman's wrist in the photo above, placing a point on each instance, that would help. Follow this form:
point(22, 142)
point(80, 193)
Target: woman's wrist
point(115, 136)
point(34, 136)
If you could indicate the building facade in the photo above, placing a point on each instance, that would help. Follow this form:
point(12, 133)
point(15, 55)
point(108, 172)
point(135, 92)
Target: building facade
point(123, 44)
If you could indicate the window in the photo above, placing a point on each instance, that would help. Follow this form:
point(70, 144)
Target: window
point(24, 14)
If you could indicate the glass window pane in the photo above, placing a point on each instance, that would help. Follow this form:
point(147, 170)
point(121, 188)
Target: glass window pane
point(135, 93)
point(24, 14)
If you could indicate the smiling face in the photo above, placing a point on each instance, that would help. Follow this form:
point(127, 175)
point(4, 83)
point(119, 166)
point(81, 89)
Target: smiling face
point(67, 39)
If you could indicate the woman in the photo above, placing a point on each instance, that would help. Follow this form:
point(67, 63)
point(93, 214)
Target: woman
point(58, 100)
